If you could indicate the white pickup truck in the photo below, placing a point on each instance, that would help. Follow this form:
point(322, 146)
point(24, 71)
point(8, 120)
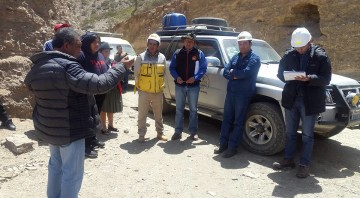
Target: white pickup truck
point(265, 128)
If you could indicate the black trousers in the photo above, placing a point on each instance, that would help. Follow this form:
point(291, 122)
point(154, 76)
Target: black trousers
point(3, 115)
point(99, 101)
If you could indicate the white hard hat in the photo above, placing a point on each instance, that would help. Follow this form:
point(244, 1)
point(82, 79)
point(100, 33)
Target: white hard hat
point(154, 37)
point(244, 36)
point(300, 37)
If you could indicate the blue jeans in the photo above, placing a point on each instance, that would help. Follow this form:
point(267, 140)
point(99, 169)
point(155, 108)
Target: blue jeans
point(191, 94)
point(232, 127)
point(292, 119)
point(66, 169)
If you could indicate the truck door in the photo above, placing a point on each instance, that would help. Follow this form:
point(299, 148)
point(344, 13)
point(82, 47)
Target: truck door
point(213, 84)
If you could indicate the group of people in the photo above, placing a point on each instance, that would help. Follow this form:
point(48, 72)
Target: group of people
point(187, 67)
point(76, 86)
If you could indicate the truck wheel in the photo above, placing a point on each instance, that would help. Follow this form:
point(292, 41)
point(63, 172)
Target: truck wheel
point(264, 129)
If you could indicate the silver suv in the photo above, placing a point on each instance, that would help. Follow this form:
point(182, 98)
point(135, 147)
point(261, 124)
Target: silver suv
point(265, 128)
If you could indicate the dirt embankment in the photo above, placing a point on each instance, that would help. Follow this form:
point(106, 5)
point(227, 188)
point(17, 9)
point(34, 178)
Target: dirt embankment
point(24, 27)
point(335, 25)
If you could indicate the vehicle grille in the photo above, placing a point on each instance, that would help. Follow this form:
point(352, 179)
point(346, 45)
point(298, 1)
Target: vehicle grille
point(347, 91)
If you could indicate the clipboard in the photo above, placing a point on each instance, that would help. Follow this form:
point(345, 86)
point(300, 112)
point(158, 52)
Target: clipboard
point(290, 75)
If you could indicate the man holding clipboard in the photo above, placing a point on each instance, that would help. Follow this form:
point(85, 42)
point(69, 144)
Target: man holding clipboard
point(306, 70)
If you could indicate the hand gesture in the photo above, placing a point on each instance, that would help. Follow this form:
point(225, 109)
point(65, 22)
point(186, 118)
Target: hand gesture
point(127, 62)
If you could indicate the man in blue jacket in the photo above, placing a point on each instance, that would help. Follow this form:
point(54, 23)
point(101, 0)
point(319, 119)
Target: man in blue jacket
point(65, 111)
point(188, 65)
point(303, 97)
point(241, 73)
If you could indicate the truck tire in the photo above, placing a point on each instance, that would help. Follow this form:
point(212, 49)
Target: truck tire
point(264, 131)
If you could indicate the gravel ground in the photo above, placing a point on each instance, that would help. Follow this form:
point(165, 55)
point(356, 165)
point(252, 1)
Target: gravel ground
point(185, 168)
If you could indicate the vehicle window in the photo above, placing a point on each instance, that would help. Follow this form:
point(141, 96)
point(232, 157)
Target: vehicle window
point(113, 46)
point(208, 47)
point(266, 53)
point(127, 48)
point(163, 48)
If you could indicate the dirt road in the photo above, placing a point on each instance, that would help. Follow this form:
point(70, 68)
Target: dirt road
point(126, 168)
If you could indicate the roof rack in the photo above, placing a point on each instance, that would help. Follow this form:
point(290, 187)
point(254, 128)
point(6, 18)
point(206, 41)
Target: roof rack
point(199, 29)
point(109, 34)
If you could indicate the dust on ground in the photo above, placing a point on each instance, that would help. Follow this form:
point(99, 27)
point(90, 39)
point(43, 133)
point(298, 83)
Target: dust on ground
point(126, 168)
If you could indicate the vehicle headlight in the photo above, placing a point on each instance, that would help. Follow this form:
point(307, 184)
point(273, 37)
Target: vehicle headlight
point(353, 99)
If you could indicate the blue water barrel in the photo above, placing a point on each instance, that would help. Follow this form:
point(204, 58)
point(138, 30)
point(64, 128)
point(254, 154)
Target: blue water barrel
point(173, 19)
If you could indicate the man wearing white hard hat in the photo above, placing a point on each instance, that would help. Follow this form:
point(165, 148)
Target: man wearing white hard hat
point(241, 73)
point(303, 96)
point(149, 71)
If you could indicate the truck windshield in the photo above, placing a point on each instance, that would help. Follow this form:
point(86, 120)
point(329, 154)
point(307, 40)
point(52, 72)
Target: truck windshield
point(266, 53)
point(127, 48)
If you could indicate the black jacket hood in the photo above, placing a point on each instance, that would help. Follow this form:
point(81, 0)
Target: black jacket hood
point(86, 41)
point(50, 54)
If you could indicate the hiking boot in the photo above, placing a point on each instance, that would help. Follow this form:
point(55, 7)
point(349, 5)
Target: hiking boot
point(9, 125)
point(283, 164)
point(141, 139)
point(220, 149)
point(229, 153)
point(97, 143)
point(176, 136)
point(303, 171)
point(162, 137)
point(90, 152)
point(194, 137)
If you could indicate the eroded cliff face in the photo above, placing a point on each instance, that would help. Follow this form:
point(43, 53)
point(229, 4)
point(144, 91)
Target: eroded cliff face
point(27, 24)
point(334, 24)
point(139, 27)
point(24, 27)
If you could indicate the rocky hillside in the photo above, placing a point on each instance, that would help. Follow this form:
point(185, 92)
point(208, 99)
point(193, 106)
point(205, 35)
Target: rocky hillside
point(102, 15)
point(335, 25)
point(26, 25)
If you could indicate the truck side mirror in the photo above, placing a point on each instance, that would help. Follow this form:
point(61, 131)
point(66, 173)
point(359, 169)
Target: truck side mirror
point(213, 61)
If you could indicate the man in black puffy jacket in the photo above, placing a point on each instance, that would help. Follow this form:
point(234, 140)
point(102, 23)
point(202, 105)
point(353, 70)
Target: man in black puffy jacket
point(303, 96)
point(65, 111)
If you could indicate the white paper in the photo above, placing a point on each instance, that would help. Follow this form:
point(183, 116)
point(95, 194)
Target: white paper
point(290, 75)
